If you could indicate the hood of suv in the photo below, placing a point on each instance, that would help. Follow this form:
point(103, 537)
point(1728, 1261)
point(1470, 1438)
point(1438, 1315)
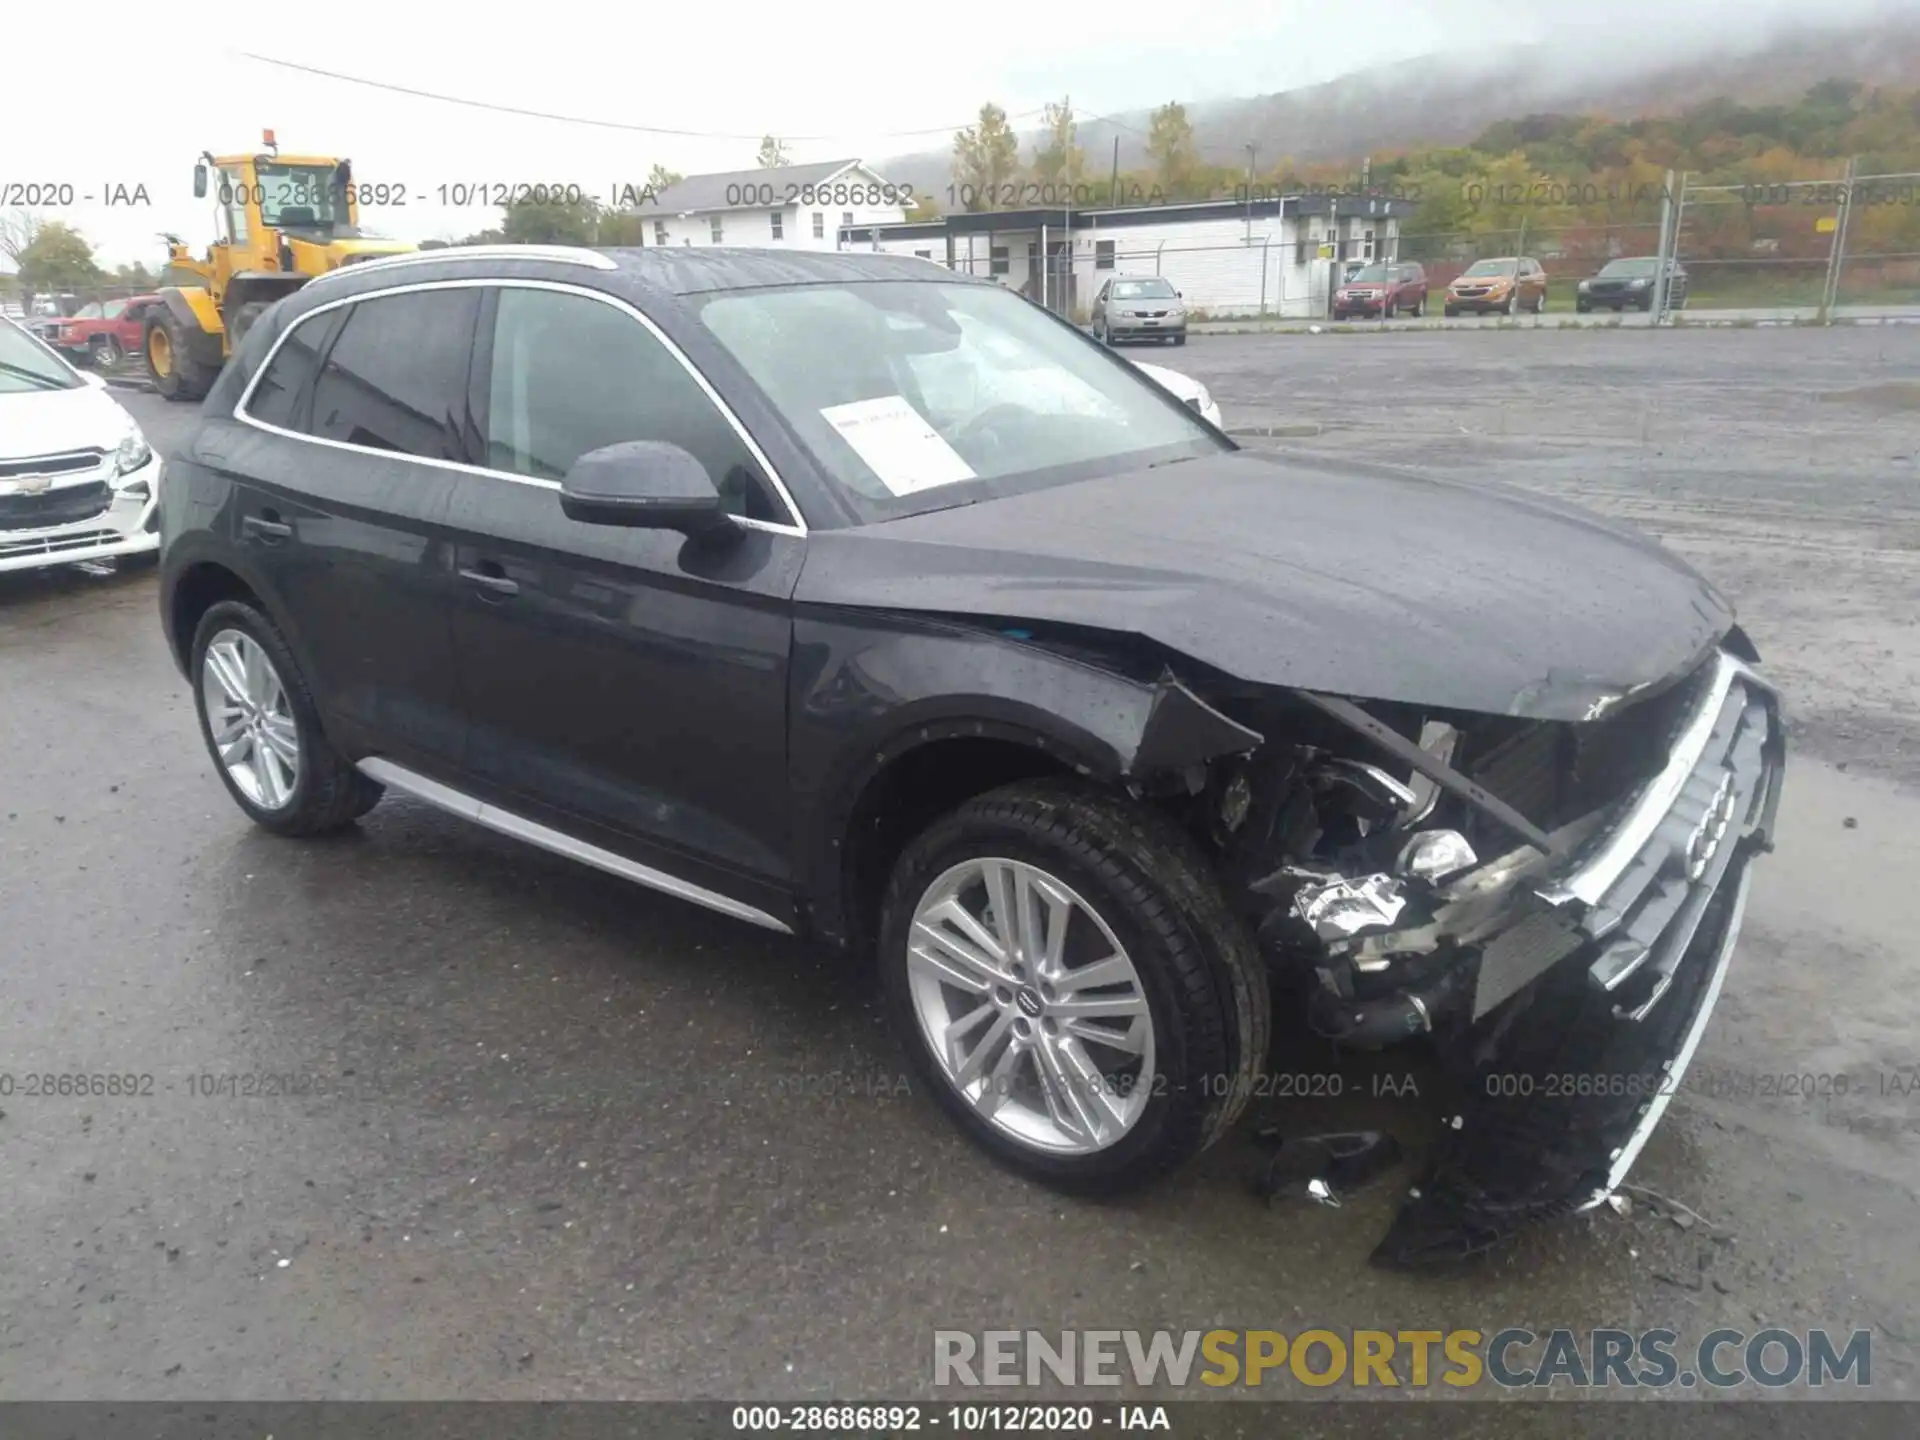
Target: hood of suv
point(1356, 580)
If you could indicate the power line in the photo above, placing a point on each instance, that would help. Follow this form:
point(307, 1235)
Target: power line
point(588, 120)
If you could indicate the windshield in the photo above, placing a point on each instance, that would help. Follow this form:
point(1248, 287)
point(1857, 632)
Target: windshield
point(1372, 275)
point(1624, 269)
point(26, 365)
point(918, 396)
point(298, 195)
point(1492, 267)
point(1142, 290)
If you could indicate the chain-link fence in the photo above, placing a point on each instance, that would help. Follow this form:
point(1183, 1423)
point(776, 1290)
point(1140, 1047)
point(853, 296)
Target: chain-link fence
point(1837, 247)
point(1840, 246)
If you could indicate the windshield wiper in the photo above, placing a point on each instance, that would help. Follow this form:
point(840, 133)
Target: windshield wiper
point(45, 382)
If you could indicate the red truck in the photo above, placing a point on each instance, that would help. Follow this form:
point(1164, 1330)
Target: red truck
point(103, 333)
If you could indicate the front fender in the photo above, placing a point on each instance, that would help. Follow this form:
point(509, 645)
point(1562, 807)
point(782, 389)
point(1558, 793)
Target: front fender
point(868, 689)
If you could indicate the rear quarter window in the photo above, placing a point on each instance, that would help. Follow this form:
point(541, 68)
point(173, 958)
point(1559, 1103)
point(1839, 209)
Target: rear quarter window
point(282, 392)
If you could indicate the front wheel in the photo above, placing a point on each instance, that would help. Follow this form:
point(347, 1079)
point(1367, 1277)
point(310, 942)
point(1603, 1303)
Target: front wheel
point(170, 363)
point(104, 352)
point(1068, 982)
point(263, 731)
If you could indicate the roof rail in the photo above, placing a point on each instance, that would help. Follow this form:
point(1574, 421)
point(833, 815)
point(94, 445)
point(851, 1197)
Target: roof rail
point(567, 254)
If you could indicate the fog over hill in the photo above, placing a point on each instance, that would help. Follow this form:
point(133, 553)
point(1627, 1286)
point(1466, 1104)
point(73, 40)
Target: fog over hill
point(1611, 68)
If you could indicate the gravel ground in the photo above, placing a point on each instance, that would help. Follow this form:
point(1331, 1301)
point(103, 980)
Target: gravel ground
point(581, 1141)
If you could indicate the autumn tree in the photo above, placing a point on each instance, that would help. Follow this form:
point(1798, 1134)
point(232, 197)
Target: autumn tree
point(660, 178)
point(57, 258)
point(1058, 159)
point(773, 154)
point(986, 155)
point(1171, 147)
point(552, 222)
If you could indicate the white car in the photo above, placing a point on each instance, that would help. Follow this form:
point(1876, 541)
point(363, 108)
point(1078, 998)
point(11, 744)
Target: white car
point(1189, 391)
point(78, 480)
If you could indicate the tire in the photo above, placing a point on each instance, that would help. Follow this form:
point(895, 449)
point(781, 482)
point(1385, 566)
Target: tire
point(1583, 307)
point(1450, 311)
point(243, 320)
point(1540, 305)
point(1203, 983)
point(327, 793)
point(180, 377)
point(1513, 304)
point(1181, 338)
point(1419, 310)
point(104, 352)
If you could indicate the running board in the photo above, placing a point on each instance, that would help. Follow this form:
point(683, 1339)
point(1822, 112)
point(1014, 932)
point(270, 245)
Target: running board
point(457, 802)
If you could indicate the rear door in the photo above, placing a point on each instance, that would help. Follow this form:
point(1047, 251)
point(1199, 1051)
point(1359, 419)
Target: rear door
point(626, 686)
point(340, 506)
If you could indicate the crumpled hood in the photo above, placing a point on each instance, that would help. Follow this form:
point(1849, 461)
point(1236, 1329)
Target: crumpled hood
point(48, 422)
point(1355, 580)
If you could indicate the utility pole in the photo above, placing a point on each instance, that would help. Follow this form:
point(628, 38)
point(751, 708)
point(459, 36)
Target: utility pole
point(1113, 190)
point(1252, 150)
point(1667, 245)
point(1836, 257)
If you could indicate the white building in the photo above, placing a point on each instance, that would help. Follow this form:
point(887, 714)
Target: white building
point(1274, 256)
point(806, 207)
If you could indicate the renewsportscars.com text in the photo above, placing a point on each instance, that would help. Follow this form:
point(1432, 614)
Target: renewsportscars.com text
point(1510, 1358)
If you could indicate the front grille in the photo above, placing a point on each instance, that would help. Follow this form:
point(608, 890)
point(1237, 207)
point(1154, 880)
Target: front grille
point(1553, 773)
point(67, 462)
point(59, 544)
point(63, 506)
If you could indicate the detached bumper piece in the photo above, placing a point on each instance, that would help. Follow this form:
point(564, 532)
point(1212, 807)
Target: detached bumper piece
point(1571, 1077)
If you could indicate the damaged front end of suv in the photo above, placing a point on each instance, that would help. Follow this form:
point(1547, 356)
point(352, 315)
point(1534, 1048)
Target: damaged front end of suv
point(1553, 902)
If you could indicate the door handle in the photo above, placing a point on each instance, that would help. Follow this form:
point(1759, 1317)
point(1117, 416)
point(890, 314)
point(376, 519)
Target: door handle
point(266, 527)
point(490, 583)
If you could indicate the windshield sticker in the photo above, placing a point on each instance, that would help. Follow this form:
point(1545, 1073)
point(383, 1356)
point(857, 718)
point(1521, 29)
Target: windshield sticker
point(900, 447)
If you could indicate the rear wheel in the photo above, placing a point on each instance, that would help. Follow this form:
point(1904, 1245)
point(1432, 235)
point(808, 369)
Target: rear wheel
point(1069, 984)
point(263, 731)
point(170, 364)
point(1513, 304)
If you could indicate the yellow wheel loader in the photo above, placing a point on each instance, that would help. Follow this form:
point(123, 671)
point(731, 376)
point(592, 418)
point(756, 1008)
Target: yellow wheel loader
point(279, 220)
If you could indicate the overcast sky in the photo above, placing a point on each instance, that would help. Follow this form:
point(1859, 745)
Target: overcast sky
point(841, 79)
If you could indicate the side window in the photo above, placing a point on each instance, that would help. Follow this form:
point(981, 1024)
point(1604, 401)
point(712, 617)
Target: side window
point(396, 379)
point(572, 374)
point(277, 398)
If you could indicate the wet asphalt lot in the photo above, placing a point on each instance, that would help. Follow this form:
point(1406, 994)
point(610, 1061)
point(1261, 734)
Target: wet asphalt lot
point(558, 1137)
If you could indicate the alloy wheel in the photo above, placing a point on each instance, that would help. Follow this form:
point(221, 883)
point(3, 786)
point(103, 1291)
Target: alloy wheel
point(1030, 1006)
point(250, 719)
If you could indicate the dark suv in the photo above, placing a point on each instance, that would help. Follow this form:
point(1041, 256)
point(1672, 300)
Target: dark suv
point(870, 603)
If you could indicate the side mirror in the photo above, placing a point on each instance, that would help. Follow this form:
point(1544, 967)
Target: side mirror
point(199, 182)
point(645, 485)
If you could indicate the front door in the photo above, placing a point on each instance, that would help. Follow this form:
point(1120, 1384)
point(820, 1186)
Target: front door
point(627, 686)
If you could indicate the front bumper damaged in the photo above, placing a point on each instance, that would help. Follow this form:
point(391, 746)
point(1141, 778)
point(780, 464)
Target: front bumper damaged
point(1594, 955)
point(1608, 988)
